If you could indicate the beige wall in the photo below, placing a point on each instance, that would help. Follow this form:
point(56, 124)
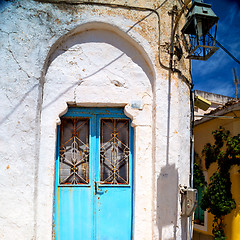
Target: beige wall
point(203, 135)
point(200, 236)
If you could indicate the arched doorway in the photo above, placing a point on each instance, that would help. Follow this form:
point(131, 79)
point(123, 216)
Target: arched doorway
point(95, 68)
point(94, 175)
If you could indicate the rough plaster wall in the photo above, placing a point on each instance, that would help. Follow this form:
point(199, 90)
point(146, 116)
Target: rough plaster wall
point(172, 158)
point(28, 30)
point(19, 80)
point(98, 62)
point(99, 68)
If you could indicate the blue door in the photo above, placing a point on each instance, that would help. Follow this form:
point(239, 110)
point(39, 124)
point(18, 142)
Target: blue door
point(93, 179)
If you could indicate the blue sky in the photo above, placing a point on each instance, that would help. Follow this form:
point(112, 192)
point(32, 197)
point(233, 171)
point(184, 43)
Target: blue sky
point(215, 75)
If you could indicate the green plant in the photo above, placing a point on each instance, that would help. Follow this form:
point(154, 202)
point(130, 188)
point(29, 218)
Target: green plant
point(218, 227)
point(213, 152)
point(217, 197)
point(198, 177)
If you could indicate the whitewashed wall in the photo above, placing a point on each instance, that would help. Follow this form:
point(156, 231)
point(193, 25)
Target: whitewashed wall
point(54, 56)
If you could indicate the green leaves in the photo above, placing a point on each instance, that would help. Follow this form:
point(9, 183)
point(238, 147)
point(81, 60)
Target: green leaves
point(210, 154)
point(198, 177)
point(218, 227)
point(220, 136)
point(213, 153)
point(217, 197)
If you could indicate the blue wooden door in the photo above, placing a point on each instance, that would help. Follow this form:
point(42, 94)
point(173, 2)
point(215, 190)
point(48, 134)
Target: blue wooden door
point(93, 179)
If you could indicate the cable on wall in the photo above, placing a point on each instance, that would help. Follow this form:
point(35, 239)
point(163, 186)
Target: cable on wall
point(224, 49)
point(111, 5)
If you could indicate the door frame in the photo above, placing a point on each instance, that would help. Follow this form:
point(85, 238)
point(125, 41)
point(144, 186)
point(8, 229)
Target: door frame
point(95, 115)
point(141, 121)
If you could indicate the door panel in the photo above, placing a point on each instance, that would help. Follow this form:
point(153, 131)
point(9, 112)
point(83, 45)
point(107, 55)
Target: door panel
point(114, 201)
point(73, 191)
point(72, 200)
point(93, 182)
point(114, 215)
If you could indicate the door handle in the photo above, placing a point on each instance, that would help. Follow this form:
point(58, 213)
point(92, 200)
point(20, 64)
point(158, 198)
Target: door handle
point(96, 188)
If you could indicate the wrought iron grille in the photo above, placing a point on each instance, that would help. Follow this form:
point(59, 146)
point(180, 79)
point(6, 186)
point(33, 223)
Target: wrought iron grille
point(114, 151)
point(201, 48)
point(74, 151)
point(204, 45)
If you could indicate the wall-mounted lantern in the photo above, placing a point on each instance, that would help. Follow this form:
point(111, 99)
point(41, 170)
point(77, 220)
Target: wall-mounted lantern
point(200, 26)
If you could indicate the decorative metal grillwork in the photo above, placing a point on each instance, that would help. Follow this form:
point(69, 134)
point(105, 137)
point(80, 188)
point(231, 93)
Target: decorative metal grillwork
point(74, 151)
point(114, 151)
point(201, 48)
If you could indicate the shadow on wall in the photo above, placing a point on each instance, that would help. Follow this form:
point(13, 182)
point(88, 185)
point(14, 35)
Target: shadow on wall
point(167, 202)
point(87, 44)
point(96, 36)
point(108, 36)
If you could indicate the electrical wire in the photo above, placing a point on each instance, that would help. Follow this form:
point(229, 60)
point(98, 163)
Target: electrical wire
point(224, 49)
point(112, 5)
point(221, 117)
point(188, 83)
point(169, 68)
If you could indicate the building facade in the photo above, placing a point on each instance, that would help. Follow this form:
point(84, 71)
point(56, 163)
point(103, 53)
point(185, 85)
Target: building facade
point(225, 116)
point(69, 63)
point(216, 100)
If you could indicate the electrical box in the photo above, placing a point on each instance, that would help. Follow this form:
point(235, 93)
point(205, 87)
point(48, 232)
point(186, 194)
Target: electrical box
point(189, 200)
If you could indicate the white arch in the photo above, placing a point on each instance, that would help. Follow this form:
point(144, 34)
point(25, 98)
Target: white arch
point(97, 64)
point(96, 25)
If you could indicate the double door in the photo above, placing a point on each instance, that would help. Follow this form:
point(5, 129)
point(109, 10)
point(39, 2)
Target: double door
point(93, 178)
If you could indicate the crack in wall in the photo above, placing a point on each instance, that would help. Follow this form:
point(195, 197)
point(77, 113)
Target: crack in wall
point(14, 58)
point(44, 21)
point(75, 90)
point(20, 67)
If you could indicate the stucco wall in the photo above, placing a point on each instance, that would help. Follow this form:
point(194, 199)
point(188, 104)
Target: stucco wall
point(58, 54)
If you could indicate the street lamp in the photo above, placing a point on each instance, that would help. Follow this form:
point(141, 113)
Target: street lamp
point(200, 26)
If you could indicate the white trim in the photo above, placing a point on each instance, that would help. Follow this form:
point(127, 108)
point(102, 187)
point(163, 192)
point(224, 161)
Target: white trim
point(55, 104)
